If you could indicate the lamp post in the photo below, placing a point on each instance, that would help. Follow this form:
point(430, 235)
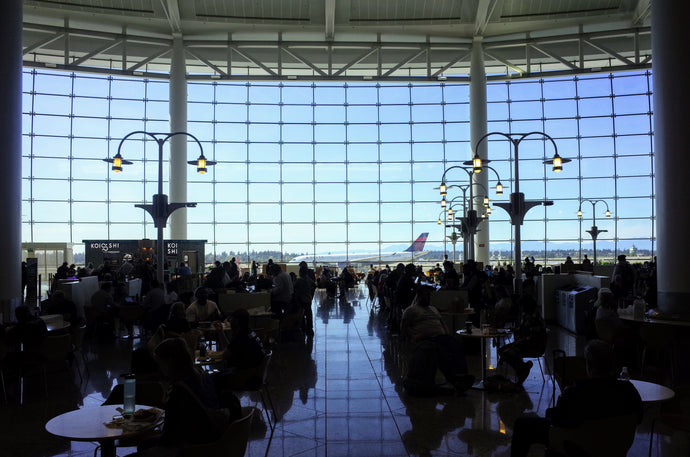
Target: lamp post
point(160, 209)
point(594, 231)
point(470, 221)
point(518, 206)
point(442, 218)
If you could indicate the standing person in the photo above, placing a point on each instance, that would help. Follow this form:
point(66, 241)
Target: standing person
point(24, 279)
point(304, 289)
point(586, 261)
point(254, 270)
point(281, 293)
point(627, 277)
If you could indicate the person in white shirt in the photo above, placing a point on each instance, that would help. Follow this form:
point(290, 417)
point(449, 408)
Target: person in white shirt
point(202, 309)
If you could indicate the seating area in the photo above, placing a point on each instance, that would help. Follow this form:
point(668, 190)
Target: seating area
point(338, 394)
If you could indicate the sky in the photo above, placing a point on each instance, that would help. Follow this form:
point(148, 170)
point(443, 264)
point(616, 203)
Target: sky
point(330, 167)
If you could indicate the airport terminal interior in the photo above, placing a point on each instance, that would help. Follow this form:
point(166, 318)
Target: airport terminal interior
point(537, 136)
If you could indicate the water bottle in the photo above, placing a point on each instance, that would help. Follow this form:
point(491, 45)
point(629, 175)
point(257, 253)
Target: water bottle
point(202, 348)
point(130, 394)
point(625, 375)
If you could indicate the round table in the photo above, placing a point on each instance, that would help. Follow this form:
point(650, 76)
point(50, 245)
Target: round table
point(88, 424)
point(652, 393)
point(479, 333)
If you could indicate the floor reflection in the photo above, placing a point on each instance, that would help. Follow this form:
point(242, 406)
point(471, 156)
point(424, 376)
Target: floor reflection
point(336, 394)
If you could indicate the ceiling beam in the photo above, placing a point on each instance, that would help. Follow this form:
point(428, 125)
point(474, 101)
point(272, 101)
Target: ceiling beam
point(485, 9)
point(44, 42)
point(554, 56)
point(148, 59)
point(506, 63)
point(330, 19)
point(172, 13)
point(356, 60)
point(642, 11)
point(95, 52)
point(305, 61)
point(608, 51)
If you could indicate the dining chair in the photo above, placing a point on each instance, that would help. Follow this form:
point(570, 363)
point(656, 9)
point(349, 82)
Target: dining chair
point(254, 380)
point(233, 442)
point(607, 437)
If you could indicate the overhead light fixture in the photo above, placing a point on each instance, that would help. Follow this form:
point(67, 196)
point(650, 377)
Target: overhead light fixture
point(443, 203)
point(476, 163)
point(438, 221)
point(486, 201)
point(499, 188)
point(608, 213)
point(450, 214)
point(117, 162)
point(579, 213)
point(443, 189)
point(201, 163)
point(557, 162)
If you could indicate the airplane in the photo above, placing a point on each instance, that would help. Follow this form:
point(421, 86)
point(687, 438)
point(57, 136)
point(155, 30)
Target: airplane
point(413, 252)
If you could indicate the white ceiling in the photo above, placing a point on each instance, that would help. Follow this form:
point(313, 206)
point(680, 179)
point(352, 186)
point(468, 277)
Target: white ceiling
point(338, 39)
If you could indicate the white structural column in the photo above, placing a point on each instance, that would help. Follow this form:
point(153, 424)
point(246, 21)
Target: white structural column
point(670, 46)
point(178, 143)
point(477, 130)
point(10, 156)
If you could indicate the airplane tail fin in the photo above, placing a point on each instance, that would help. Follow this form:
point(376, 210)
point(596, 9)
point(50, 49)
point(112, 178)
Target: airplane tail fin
point(418, 244)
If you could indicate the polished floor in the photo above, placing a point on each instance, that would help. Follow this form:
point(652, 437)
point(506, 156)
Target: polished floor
point(337, 395)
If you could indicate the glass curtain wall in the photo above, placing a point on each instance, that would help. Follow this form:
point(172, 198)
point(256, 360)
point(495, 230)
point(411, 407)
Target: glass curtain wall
point(335, 167)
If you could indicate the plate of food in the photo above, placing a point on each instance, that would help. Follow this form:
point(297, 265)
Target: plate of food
point(146, 415)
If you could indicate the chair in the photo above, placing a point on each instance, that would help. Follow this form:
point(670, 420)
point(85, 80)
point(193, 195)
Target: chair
point(130, 315)
point(78, 347)
point(254, 380)
point(233, 442)
point(55, 350)
point(3, 354)
point(607, 437)
point(567, 370)
point(660, 340)
point(147, 393)
point(673, 415)
point(539, 353)
point(605, 330)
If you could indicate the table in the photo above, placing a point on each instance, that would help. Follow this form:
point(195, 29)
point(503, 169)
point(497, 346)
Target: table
point(656, 321)
point(55, 327)
point(478, 333)
point(88, 424)
point(652, 393)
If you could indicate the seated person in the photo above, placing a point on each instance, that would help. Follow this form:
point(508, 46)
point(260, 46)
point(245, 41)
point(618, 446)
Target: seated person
point(422, 323)
point(177, 322)
point(244, 348)
point(183, 270)
point(599, 397)
point(608, 309)
point(103, 302)
point(530, 334)
point(60, 304)
point(193, 413)
point(202, 309)
point(28, 333)
point(503, 307)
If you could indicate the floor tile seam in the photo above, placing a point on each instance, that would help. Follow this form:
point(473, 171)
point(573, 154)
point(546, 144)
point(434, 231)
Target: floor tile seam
point(390, 409)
